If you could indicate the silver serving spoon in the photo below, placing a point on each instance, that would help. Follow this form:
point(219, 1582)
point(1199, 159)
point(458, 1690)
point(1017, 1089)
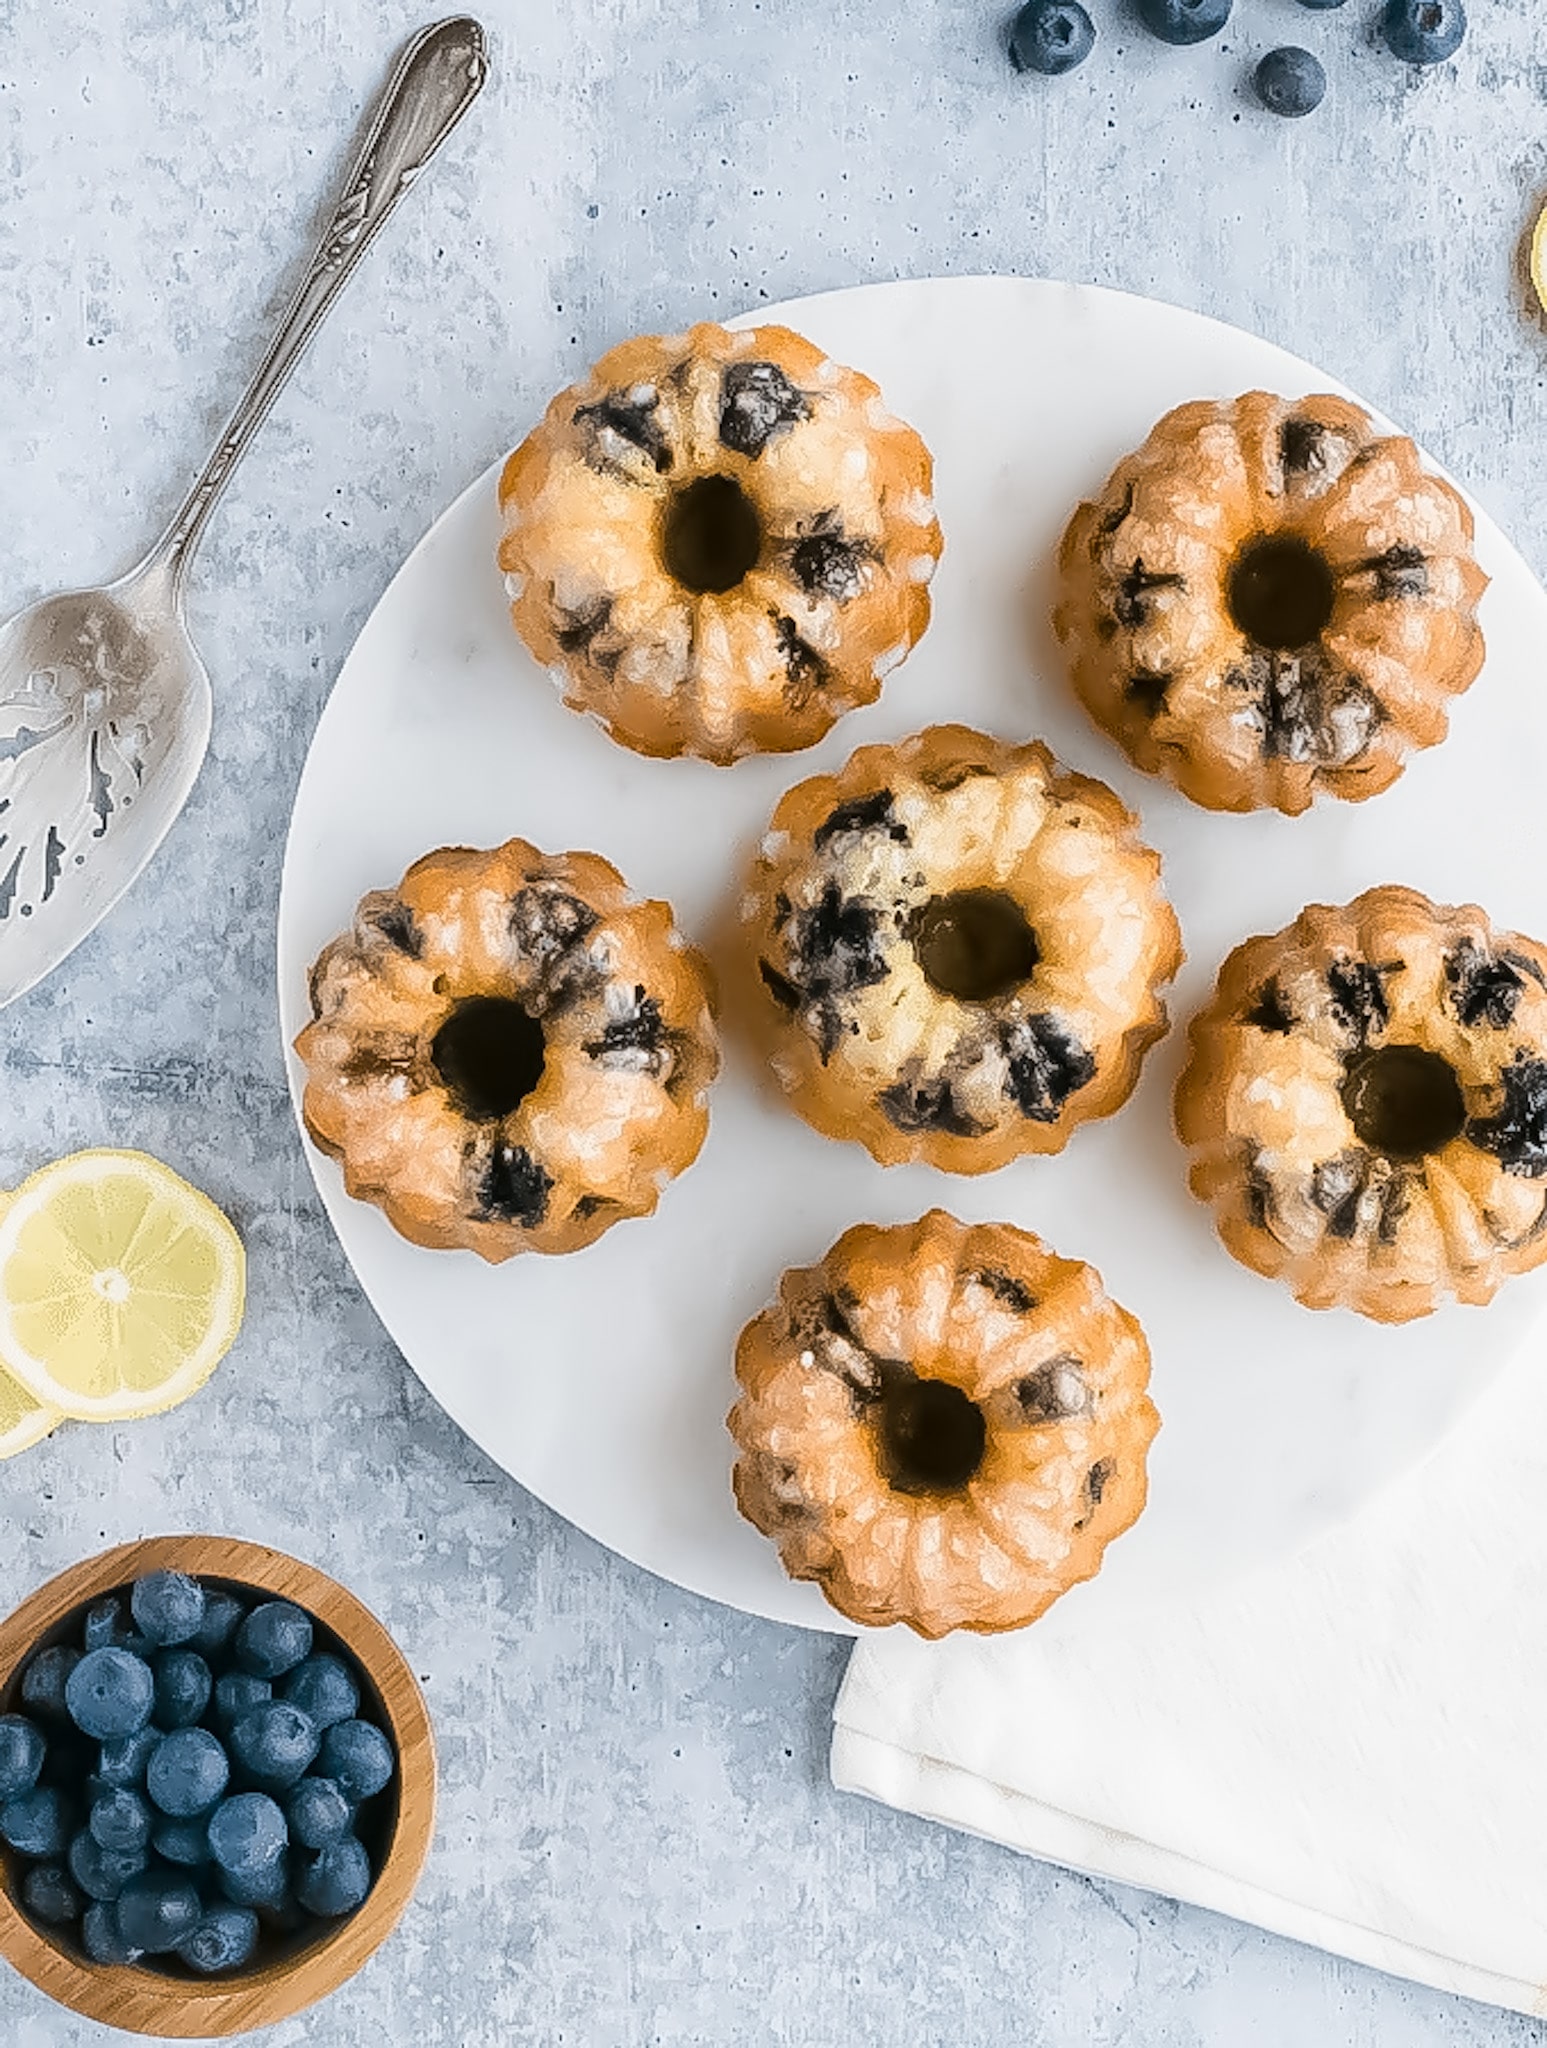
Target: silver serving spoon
point(104, 703)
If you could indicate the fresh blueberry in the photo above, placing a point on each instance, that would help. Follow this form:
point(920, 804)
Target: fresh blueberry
point(168, 1607)
point(324, 1689)
point(236, 1694)
point(318, 1813)
point(102, 1873)
point(105, 1626)
point(183, 1842)
point(156, 1913)
point(49, 1896)
point(120, 1819)
point(223, 1614)
point(38, 1823)
point(1423, 31)
point(43, 1681)
point(247, 1833)
point(110, 1692)
point(1051, 36)
point(101, 1939)
point(123, 1760)
point(268, 1888)
point(1184, 21)
point(358, 1757)
point(187, 1772)
point(337, 1880)
point(224, 1939)
point(1290, 82)
point(22, 1749)
point(182, 1688)
point(274, 1744)
point(273, 1639)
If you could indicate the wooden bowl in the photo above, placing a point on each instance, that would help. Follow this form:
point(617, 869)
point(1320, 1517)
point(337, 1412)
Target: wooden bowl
point(146, 2001)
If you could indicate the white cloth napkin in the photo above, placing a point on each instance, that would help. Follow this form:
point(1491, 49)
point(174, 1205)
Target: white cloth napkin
point(1349, 1748)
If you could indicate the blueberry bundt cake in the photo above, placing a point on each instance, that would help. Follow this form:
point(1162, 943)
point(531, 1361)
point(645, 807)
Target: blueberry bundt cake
point(1366, 1100)
point(958, 948)
point(509, 1052)
point(943, 1424)
point(1270, 598)
point(720, 542)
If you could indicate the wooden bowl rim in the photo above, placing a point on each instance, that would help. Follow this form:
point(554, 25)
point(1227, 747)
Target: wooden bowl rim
point(195, 2008)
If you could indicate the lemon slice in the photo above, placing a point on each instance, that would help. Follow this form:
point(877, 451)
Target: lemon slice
point(23, 1421)
point(1539, 258)
point(121, 1287)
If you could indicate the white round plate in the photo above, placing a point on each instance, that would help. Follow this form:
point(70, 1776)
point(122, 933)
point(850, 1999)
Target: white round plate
point(601, 1380)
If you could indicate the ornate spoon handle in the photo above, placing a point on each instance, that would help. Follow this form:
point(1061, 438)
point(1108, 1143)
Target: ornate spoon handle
point(435, 81)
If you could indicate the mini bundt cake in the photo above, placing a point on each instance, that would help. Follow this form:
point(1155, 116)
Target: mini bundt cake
point(509, 1052)
point(1366, 1101)
point(719, 542)
point(958, 947)
point(943, 1424)
point(1270, 598)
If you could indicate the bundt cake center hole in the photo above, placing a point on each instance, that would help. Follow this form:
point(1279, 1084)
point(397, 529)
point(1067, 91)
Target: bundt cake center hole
point(1403, 1100)
point(932, 1436)
point(1281, 592)
point(974, 944)
point(713, 534)
point(489, 1053)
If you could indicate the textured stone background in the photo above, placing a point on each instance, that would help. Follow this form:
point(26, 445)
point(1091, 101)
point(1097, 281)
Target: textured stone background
point(637, 1840)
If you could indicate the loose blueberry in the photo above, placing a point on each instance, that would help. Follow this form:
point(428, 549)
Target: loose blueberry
point(268, 1888)
point(101, 1939)
point(236, 1694)
point(1184, 21)
point(43, 1681)
point(1051, 36)
point(183, 1842)
point(123, 1760)
point(224, 1939)
point(105, 1626)
point(223, 1614)
point(318, 1813)
point(337, 1880)
point(359, 1759)
point(1290, 82)
point(22, 1749)
point(183, 1686)
point(274, 1744)
point(49, 1896)
point(246, 1833)
point(102, 1873)
point(1423, 31)
point(273, 1639)
point(120, 1819)
point(168, 1607)
point(324, 1690)
point(156, 1913)
point(109, 1693)
point(38, 1823)
point(187, 1773)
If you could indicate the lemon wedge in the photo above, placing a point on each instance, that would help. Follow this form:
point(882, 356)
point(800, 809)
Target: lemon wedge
point(121, 1287)
point(23, 1421)
point(1539, 258)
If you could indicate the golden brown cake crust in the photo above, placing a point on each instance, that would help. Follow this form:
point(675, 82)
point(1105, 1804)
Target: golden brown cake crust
point(864, 1044)
point(1279, 1076)
point(861, 1485)
point(847, 541)
point(1146, 615)
point(628, 1051)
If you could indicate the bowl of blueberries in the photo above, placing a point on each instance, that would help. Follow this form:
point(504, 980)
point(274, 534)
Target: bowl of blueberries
point(217, 1786)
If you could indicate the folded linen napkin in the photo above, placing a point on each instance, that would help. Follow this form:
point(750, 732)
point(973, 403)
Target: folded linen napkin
point(1349, 1748)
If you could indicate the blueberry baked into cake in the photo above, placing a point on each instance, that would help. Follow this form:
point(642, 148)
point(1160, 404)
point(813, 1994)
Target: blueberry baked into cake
point(1270, 598)
point(957, 950)
point(509, 1052)
point(1366, 1104)
point(943, 1424)
point(719, 542)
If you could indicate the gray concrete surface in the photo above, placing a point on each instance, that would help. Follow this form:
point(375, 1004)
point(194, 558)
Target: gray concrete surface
point(637, 1841)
